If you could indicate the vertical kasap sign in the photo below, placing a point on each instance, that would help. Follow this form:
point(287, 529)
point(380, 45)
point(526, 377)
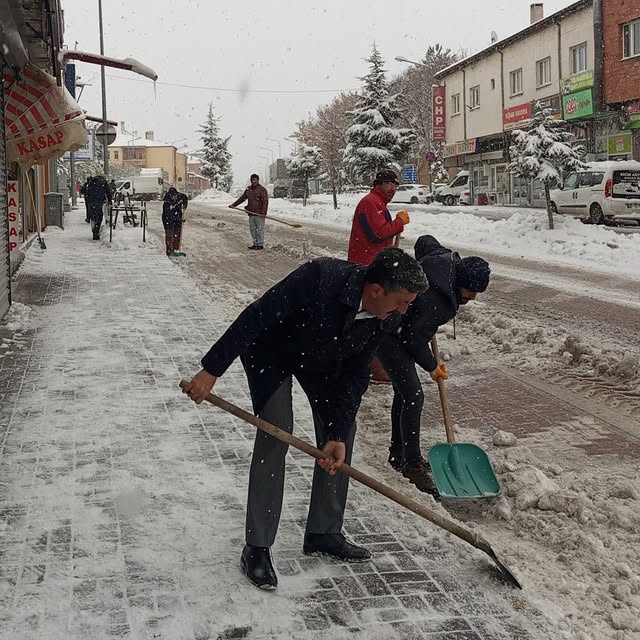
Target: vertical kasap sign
point(12, 198)
point(439, 117)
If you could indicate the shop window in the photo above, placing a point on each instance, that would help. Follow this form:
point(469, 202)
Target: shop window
point(543, 72)
point(515, 82)
point(455, 104)
point(474, 97)
point(631, 39)
point(579, 58)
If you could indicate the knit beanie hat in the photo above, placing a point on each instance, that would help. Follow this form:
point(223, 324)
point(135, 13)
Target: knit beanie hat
point(472, 273)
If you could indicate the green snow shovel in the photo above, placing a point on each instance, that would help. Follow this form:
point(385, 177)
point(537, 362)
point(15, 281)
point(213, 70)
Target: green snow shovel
point(460, 470)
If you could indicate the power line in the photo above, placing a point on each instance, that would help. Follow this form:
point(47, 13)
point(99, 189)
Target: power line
point(195, 86)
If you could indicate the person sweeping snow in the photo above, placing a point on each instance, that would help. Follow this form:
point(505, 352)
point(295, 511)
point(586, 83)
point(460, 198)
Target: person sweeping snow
point(175, 203)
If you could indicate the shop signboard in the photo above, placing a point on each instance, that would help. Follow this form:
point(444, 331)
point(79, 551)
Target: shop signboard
point(578, 82)
point(13, 211)
point(620, 145)
point(515, 117)
point(439, 120)
point(86, 151)
point(577, 105)
point(409, 173)
point(460, 148)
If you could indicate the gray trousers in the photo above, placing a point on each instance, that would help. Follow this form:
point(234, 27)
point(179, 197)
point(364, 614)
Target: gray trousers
point(266, 478)
point(256, 227)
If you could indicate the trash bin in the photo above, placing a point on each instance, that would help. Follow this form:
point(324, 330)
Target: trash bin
point(65, 199)
point(54, 209)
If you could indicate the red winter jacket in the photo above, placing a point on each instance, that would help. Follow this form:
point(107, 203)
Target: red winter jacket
point(372, 229)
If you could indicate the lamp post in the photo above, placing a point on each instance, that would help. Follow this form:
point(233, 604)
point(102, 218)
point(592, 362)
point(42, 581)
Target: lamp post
point(265, 167)
point(269, 150)
point(279, 145)
point(105, 151)
point(418, 64)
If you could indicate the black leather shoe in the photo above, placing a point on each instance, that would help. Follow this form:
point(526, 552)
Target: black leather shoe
point(334, 545)
point(258, 246)
point(253, 246)
point(256, 565)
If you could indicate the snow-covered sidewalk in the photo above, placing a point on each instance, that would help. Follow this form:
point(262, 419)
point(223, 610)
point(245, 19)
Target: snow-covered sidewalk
point(122, 505)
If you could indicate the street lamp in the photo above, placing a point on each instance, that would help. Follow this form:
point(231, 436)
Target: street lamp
point(418, 64)
point(105, 155)
point(269, 150)
point(265, 167)
point(294, 142)
point(279, 146)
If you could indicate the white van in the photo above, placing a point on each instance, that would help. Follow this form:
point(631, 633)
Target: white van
point(450, 193)
point(604, 191)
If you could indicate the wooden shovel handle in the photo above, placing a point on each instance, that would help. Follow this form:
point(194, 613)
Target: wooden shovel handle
point(442, 390)
point(295, 225)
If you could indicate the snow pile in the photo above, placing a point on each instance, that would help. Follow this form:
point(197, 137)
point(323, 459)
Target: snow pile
point(18, 317)
point(213, 195)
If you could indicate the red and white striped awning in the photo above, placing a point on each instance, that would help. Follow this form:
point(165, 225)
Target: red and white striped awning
point(42, 120)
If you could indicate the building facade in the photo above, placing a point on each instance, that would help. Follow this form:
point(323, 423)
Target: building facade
point(493, 92)
point(621, 30)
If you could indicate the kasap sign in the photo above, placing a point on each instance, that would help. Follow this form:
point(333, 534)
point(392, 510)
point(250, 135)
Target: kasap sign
point(577, 105)
point(12, 202)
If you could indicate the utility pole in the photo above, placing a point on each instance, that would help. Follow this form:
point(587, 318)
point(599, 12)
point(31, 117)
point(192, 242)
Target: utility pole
point(104, 97)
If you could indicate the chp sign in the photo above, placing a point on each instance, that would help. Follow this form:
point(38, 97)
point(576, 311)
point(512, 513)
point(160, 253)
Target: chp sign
point(439, 122)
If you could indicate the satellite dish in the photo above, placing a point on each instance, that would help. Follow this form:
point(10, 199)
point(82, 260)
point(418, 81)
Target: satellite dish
point(494, 37)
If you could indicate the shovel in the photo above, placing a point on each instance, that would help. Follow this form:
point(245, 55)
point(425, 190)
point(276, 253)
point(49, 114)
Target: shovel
point(439, 520)
point(295, 225)
point(460, 470)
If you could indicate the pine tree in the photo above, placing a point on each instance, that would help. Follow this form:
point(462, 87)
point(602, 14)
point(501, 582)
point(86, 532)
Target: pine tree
point(373, 141)
point(305, 163)
point(542, 152)
point(215, 154)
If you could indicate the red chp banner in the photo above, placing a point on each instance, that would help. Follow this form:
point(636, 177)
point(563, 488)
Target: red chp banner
point(439, 117)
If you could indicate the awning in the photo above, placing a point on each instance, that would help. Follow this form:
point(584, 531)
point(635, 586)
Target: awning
point(42, 120)
point(129, 64)
point(632, 124)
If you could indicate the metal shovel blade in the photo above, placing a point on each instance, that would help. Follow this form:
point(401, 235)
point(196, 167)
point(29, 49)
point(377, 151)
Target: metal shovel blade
point(462, 470)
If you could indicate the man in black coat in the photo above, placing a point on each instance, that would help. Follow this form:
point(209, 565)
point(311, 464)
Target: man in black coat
point(321, 324)
point(173, 208)
point(452, 281)
point(97, 195)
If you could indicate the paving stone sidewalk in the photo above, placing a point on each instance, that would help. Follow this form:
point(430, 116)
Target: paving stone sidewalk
point(122, 505)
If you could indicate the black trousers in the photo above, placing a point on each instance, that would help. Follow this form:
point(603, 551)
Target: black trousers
point(408, 400)
point(266, 478)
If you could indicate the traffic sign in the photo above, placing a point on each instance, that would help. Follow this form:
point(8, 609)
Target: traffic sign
point(409, 173)
point(110, 135)
point(431, 157)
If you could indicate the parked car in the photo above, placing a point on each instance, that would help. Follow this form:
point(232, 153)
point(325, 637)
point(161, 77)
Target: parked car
point(413, 194)
point(604, 191)
point(450, 193)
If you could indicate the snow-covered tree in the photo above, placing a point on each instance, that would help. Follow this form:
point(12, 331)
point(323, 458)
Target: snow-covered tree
point(543, 152)
point(215, 154)
point(373, 140)
point(304, 164)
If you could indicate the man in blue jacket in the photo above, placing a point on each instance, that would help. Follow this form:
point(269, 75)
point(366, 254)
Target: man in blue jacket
point(321, 324)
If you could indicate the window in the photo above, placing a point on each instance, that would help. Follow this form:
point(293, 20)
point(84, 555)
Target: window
point(543, 72)
point(493, 83)
point(571, 181)
point(455, 104)
point(579, 58)
point(133, 153)
point(474, 97)
point(515, 82)
point(116, 155)
point(631, 39)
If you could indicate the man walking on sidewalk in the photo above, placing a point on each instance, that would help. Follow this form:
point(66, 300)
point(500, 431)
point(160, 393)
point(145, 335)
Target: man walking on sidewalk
point(97, 196)
point(172, 212)
point(321, 324)
point(258, 203)
point(453, 281)
point(372, 230)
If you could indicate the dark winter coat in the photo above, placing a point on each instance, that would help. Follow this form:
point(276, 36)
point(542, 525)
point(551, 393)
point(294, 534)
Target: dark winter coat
point(305, 326)
point(172, 211)
point(431, 309)
point(258, 199)
point(372, 229)
point(97, 191)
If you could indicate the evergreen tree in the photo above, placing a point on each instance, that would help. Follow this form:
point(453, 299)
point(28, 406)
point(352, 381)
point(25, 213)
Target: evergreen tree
point(305, 163)
point(373, 141)
point(215, 154)
point(542, 152)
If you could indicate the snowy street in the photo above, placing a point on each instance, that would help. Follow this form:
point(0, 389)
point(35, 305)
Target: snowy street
point(122, 504)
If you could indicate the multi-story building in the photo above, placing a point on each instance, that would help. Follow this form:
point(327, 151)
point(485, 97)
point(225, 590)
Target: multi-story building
point(620, 21)
point(492, 92)
point(147, 153)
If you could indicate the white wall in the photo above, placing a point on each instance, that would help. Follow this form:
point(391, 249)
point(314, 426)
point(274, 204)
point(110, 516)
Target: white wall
point(576, 29)
point(455, 124)
point(487, 119)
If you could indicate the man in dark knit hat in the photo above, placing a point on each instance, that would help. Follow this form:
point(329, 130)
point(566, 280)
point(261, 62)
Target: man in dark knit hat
point(453, 281)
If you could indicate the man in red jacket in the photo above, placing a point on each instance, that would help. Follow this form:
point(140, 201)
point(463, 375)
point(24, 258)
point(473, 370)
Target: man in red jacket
point(373, 229)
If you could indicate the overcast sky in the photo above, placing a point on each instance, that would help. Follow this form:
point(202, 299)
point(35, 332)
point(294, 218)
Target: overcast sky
point(237, 52)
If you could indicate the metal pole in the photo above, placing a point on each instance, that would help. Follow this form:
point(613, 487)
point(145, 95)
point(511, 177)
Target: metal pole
point(104, 96)
point(72, 179)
